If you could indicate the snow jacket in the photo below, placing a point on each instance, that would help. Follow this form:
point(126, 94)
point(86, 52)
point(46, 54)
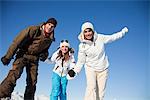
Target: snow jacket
point(92, 54)
point(61, 67)
point(30, 41)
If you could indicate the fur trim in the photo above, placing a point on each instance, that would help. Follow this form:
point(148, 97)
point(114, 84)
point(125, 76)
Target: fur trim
point(87, 25)
point(81, 35)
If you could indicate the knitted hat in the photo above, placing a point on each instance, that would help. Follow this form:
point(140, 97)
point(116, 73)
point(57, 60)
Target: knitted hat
point(87, 25)
point(64, 43)
point(52, 20)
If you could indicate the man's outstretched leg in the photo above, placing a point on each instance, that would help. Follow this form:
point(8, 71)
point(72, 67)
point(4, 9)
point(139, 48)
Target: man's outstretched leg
point(8, 84)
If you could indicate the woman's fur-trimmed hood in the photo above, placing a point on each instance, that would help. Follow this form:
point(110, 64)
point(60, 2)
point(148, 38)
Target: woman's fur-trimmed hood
point(81, 35)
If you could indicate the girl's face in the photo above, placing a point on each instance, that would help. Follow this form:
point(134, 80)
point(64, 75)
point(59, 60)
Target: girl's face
point(88, 34)
point(49, 27)
point(64, 49)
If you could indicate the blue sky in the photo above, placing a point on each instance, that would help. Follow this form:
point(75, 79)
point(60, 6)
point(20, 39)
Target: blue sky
point(129, 67)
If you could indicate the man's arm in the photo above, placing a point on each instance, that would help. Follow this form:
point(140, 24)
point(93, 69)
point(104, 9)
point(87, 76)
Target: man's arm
point(14, 46)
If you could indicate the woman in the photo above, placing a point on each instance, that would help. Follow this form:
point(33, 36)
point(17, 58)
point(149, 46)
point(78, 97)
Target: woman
point(64, 61)
point(92, 54)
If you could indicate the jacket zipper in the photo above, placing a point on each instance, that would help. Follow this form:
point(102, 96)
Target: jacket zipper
point(62, 66)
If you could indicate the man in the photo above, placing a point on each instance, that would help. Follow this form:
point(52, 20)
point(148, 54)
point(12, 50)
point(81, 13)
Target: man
point(30, 46)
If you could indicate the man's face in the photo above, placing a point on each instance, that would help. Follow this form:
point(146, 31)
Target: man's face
point(88, 34)
point(49, 27)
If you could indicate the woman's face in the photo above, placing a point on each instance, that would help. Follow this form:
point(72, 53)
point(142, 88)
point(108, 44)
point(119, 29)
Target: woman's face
point(64, 49)
point(88, 34)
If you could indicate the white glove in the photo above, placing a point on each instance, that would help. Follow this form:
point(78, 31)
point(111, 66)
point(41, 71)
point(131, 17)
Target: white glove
point(124, 30)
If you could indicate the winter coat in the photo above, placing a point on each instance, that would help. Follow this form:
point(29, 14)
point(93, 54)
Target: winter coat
point(92, 54)
point(61, 68)
point(30, 41)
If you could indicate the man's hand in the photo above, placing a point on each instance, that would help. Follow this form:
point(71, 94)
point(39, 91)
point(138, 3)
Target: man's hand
point(5, 61)
point(71, 73)
point(42, 57)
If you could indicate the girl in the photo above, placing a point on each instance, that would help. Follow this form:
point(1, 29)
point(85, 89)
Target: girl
point(64, 61)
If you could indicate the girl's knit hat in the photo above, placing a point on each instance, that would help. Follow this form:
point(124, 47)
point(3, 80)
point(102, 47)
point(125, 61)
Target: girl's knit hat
point(64, 43)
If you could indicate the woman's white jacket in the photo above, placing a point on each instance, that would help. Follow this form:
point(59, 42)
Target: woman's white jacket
point(92, 54)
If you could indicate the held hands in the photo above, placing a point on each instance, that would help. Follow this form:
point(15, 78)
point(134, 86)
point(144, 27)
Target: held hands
point(5, 61)
point(124, 30)
point(42, 57)
point(71, 74)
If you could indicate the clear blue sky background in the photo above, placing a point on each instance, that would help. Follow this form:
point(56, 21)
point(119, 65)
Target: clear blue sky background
point(129, 57)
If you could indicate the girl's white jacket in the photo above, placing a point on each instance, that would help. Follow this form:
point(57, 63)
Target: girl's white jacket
point(92, 54)
point(59, 69)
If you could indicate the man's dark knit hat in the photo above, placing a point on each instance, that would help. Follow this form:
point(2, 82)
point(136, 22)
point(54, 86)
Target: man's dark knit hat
point(52, 20)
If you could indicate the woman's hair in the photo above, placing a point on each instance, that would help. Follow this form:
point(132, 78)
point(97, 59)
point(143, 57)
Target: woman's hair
point(66, 56)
